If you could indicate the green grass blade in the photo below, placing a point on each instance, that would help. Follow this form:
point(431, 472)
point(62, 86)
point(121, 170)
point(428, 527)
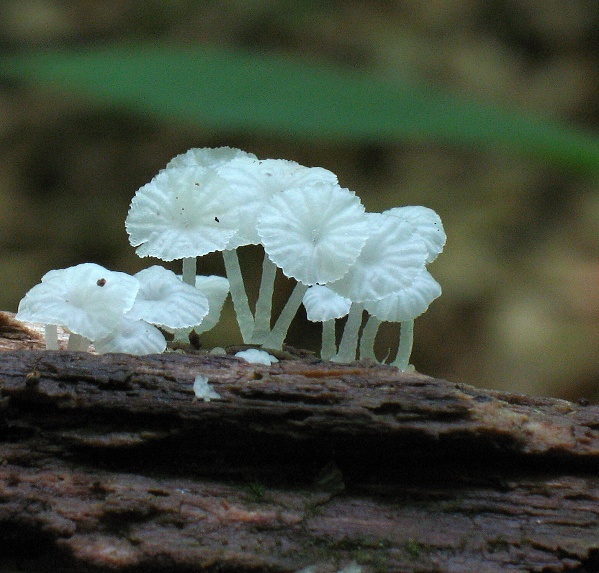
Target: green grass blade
point(239, 91)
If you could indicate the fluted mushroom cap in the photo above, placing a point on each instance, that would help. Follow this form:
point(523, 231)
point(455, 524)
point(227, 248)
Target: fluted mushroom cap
point(322, 304)
point(313, 234)
point(132, 337)
point(164, 300)
point(394, 254)
point(407, 303)
point(87, 299)
point(428, 225)
point(183, 212)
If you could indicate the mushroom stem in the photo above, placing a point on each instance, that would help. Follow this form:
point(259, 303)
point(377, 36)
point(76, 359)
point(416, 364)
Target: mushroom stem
point(189, 271)
point(329, 346)
point(368, 337)
point(264, 302)
point(406, 340)
point(349, 340)
point(275, 339)
point(181, 335)
point(51, 336)
point(77, 343)
point(245, 319)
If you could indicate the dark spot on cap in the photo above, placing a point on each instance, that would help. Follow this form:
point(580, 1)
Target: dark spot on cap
point(216, 219)
point(101, 282)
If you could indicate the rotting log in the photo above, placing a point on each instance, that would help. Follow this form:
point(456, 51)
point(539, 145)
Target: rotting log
point(109, 463)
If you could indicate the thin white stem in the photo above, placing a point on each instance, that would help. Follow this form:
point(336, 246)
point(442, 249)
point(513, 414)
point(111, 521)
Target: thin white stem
point(245, 319)
point(275, 339)
point(406, 340)
point(349, 340)
point(264, 302)
point(329, 344)
point(77, 342)
point(189, 271)
point(368, 337)
point(51, 336)
point(181, 335)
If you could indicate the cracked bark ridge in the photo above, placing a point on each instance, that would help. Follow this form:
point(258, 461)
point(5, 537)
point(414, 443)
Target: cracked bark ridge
point(108, 463)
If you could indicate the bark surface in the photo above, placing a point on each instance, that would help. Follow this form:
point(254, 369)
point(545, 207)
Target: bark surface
point(111, 463)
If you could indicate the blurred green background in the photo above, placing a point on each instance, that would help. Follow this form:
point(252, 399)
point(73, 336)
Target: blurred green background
point(518, 194)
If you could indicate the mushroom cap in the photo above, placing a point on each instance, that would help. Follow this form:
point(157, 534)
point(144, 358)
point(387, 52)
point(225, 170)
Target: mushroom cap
point(322, 304)
point(183, 212)
point(164, 300)
point(428, 225)
point(257, 180)
point(407, 303)
point(207, 157)
point(87, 299)
point(394, 254)
point(132, 337)
point(313, 233)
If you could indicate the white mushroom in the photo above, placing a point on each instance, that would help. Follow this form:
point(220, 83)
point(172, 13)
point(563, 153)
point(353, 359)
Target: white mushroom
point(87, 299)
point(132, 337)
point(166, 301)
point(183, 213)
point(428, 225)
point(314, 234)
point(403, 307)
point(324, 305)
point(415, 300)
point(255, 182)
point(215, 289)
point(393, 256)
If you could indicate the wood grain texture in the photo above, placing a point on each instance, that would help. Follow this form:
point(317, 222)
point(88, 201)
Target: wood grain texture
point(110, 463)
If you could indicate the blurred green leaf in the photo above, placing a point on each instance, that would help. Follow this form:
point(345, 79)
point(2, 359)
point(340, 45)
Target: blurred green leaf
point(240, 91)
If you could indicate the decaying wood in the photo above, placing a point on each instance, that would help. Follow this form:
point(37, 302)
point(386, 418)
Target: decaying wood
point(110, 463)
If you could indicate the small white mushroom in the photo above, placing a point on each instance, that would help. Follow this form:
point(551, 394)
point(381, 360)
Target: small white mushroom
point(166, 301)
point(132, 337)
point(408, 303)
point(392, 258)
point(403, 307)
point(314, 234)
point(324, 305)
point(87, 299)
point(428, 225)
point(255, 182)
point(394, 254)
point(183, 213)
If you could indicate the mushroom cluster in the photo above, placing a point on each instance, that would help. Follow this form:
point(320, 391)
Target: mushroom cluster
point(114, 311)
point(344, 261)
